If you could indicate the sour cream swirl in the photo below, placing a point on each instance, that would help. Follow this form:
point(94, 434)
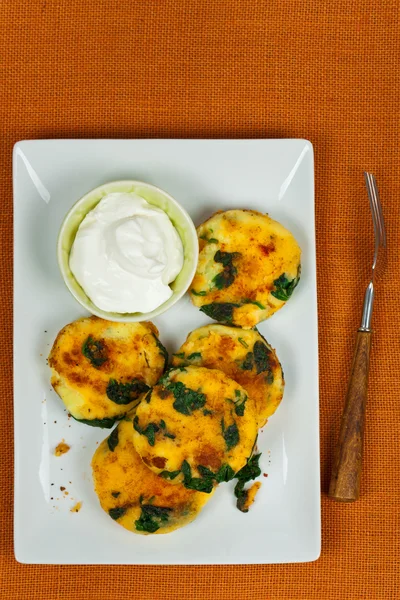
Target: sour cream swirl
point(125, 254)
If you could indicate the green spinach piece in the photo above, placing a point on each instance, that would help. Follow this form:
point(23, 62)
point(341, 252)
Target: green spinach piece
point(230, 435)
point(270, 378)
point(149, 432)
point(117, 513)
point(247, 301)
point(213, 241)
point(227, 276)
point(205, 472)
point(261, 357)
point(152, 517)
point(186, 400)
point(179, 355)
point(195, 483)
point(220, 311)
point(205, 483)
point(207, 412)
point(125, 393)
point(115, 494)
point(169, 474)
point(202, 293)
point(240, 402)
point(284, 287)
point(224, 473)
point(165, 432)
point(103, 423)
point(162, 350)
point(242, 341)
point(250, 471)
point(112, 440)
point(247, 364)
point(194, 356)
point(95, 351)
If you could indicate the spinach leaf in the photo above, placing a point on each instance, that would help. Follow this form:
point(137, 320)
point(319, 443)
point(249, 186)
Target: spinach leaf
point(152, 517)
point(103, 423)
point(240, 402)
point(205, 482)
point(179, 354)
point(149, 432)
point(270, 378)
point(244, 344)
point(117, 513)
point(284, 287)
point(202, 293)
point(205, 472)
point(247, 301)
point(207, 412)
point(124, 393)
point(213, 241)
point(162, 350)
point(227, 276)
point(95, 351)
point(224, 473)
point(230, 435)
point(115, 494)
point(148, 396)
point(169, 474)
point(195, 483)
point(250, 471)
point(261, 357)
point(247, 364)
point(225, 258)
point(220, 311)
point(186, 400)
point(194, 356)
point(112, 440)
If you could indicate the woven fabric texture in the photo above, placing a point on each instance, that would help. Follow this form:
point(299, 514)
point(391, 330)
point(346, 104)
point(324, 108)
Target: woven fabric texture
point(326, 71)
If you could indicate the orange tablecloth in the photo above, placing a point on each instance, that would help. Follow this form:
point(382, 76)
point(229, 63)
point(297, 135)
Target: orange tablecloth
point(324, 70)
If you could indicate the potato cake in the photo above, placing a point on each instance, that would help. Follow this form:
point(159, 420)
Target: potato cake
point(196, 426)
point(242, 354)
point(101, 368)
point(248, 267)
point(133, 495)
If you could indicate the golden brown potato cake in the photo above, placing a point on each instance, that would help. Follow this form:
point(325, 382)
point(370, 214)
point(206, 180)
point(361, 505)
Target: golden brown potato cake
point(248, 267)
point(197, 426)
point(100, 368)
point(133, 495)
point(244, 355)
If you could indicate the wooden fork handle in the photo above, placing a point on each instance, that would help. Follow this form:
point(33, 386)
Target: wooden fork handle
point(346, 474)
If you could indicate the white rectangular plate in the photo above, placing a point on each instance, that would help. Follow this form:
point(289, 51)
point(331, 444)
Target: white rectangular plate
point(274, 176)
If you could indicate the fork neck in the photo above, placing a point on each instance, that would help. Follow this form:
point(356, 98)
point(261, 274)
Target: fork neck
point(367, 308)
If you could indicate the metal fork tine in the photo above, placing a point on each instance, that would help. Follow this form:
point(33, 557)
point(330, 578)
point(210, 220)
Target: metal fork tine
point(381, 221)
point(375, 218)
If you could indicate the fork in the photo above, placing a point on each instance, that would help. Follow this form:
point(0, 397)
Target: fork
point(346, 473)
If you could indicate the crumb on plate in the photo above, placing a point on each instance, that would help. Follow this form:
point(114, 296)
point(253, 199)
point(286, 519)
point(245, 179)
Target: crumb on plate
point(251, 494)
point(61, 448)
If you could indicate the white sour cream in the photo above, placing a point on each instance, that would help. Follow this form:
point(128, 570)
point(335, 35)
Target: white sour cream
point(125, 254)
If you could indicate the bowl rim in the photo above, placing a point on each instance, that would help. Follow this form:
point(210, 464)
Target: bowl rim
point(127, 317)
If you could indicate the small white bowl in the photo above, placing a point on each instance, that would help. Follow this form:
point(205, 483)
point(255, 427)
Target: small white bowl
point(180, 219)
